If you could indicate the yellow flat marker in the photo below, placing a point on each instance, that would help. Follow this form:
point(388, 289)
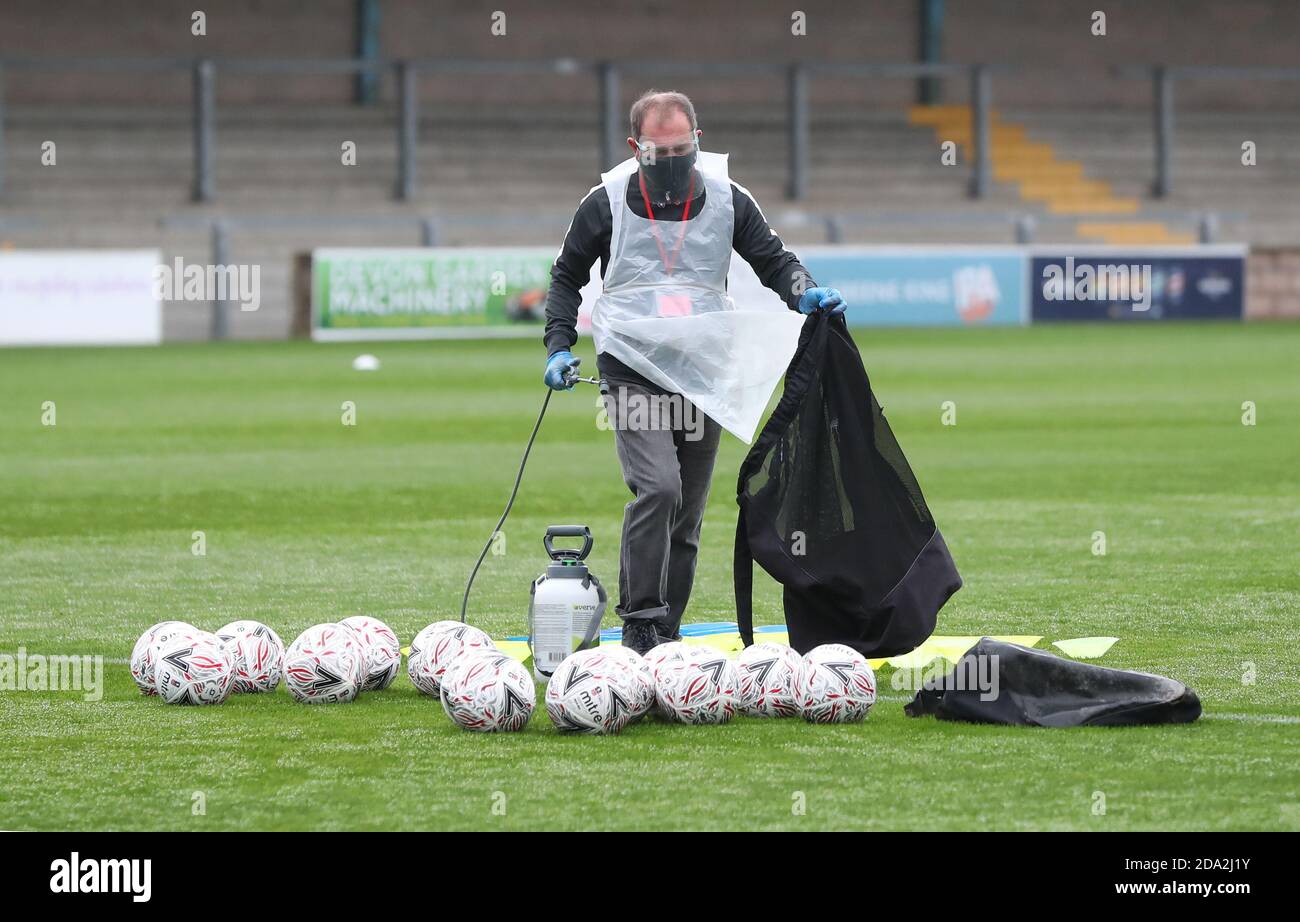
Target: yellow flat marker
point(518, 649)
point(940, 646)
point(953, 648)
point(917, 659)
point(1085, 647)
point(950, 648)
point(727, 643)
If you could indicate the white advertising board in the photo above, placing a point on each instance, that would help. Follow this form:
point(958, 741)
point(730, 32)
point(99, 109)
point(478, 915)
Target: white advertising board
point(79, 297)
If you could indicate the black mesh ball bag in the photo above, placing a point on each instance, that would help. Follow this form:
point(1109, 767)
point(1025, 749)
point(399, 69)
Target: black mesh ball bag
point(830, 508)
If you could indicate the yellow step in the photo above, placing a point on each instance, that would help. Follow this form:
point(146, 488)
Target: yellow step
point(1130, 232)
point(1092, 206)
point(930, 115)
point(1037, 172)
point(1040, 175)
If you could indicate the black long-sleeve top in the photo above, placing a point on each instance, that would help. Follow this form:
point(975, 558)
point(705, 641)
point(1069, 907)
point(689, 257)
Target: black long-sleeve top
point(588, 240)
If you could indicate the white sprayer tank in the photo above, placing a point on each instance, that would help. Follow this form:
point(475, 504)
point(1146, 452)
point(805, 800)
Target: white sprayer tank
point(567, 604)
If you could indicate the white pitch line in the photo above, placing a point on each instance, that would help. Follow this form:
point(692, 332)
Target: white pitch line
point(1255, 718)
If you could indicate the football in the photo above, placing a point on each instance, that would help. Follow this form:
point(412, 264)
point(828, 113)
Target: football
point(838, 685)
point(258, 654)
point(769, 675)
point(641, 673)
point(699, 688)
point(415, 655)
point(444, 648)
point(382, 650)
point(324, 665)
point(488, 692)
point(591, 692)
point(673, 651)
point(194, 667)
point(145, 653)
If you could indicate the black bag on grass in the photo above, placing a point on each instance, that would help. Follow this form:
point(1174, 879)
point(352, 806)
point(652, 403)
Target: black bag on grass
point(830, 508)
point(1004, 683)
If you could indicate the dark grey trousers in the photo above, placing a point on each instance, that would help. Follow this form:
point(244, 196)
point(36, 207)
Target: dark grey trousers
point(666, 448)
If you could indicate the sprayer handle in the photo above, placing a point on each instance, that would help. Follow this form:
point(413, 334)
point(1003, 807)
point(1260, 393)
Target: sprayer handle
point(567, 531)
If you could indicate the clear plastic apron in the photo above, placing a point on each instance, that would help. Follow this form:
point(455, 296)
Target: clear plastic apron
point(674, 323)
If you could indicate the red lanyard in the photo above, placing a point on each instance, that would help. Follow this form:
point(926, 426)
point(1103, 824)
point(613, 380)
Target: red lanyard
point(681, 235)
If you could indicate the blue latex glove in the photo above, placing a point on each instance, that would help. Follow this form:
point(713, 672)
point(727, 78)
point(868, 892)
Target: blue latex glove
point(825, 299)
point(558, 367)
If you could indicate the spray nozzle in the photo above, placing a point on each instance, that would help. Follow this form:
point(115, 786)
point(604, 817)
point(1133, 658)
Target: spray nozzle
point(572, 377)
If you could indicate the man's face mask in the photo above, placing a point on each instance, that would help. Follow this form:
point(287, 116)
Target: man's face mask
point(667, 169)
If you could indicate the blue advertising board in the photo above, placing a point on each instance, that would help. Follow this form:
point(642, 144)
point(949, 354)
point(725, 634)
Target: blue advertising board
point(924, 286)
point(1137, 283)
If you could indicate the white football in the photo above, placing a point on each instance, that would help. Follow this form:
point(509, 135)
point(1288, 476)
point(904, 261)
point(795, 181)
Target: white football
point(672, 652)
point(769, 675)
point(145, 653)
point(489, 692)
point(415, 655)
point(699, 688)
point(383, 651)
point(324, 664)
point(194, 667)
point(838, 685)
point(444, 648)
point(258, 653)
point(591, 692)
point(642, 674)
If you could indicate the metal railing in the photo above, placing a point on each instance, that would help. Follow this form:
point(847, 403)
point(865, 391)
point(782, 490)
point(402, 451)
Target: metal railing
point(1163, 79)
point(799, 78)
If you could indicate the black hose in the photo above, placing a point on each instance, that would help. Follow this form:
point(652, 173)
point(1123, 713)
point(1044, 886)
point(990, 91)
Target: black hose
point(464, 604)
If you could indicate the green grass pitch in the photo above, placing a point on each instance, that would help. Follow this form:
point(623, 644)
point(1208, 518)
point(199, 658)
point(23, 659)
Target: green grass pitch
point(1135, 431)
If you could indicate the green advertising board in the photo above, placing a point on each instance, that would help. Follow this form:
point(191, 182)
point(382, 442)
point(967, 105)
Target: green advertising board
point(429, 292)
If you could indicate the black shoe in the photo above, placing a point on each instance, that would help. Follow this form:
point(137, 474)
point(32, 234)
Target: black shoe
point(640, 635)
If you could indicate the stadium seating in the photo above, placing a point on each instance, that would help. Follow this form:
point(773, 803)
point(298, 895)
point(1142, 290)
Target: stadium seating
point(497, 174)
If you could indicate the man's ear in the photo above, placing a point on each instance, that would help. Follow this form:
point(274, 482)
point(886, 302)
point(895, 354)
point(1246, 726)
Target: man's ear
point(632, 144)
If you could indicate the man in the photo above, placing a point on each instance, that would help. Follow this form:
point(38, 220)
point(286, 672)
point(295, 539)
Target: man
point(663, 226)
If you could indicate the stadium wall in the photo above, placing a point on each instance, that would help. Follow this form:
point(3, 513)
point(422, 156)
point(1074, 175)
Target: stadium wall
point(1273, 283)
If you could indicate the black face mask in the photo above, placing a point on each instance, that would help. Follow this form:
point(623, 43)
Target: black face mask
point(668, 179)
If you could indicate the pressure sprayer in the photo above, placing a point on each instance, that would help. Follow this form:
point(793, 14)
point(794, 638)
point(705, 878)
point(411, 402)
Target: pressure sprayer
point(567, 601)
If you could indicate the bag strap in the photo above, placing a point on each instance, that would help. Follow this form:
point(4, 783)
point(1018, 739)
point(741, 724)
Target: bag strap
point(532, 598)
point(743, 575)
point(593, 627)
